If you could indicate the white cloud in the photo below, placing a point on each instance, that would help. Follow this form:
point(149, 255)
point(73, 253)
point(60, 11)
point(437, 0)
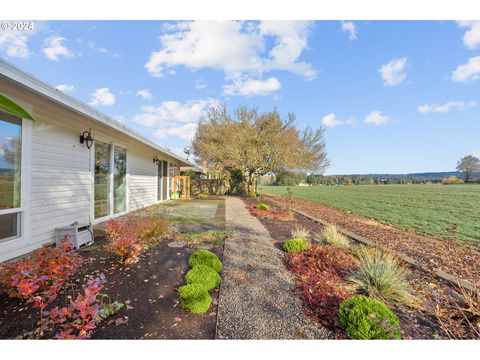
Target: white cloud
point(252, 87)
point(471, 38)
point(144, 94)
point(445, 108)
point(331, 120)
point(393, 73)
point(468, 72)
point(174, 118)
point(65, 88)
point(102, 96)
point(200, 84)
point(93, 46)
point(242, 50)
point(376, 118)
point(15, 43)
point(350, 28)
point(184, 132)
point(54, 48)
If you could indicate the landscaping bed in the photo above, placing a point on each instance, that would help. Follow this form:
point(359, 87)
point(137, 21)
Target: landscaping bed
point(452, 257)
point(148, 287)
point(124, 286)
point(322, 288)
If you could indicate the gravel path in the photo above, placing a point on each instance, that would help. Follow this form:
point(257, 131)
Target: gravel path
point(256, 297)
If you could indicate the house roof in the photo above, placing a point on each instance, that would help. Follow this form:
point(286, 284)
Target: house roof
point(31, 82)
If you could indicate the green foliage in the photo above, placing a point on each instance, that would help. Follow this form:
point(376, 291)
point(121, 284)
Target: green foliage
point(194, 298)
point(331, 236)
point(427, 209)
point(380, 276)
point(203, 275)
point(300, 232)
point(205, 257)
point(295, 246)
point(213, 237)
point(13, 108)
point(262, 206)
point(202, 196)
point(364, 318)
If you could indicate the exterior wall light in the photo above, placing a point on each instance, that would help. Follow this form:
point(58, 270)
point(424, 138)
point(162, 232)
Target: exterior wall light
point(86, 138)
point(156, 160)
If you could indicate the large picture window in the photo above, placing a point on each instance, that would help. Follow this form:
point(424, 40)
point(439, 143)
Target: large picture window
point(10, 176)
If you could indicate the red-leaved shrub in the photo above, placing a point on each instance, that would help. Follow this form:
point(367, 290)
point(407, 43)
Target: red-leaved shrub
point(77, 320)
point(39, 277)
point(127, 238)
point(320, 272)
point(271, 213)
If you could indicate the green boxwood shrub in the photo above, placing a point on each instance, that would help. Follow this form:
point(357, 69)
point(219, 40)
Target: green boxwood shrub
point(365, 318)
point(205, 257)
point(295, 245)
point(203, 275)
point(194, 298)
point(262, 206)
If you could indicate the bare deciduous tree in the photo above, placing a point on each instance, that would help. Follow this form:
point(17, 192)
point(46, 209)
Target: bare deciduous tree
point(468, 165)
point(250, 144)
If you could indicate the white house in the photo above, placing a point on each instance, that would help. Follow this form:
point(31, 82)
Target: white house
point(49, 177)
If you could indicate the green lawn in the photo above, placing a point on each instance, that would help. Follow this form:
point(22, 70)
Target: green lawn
point(429, 209)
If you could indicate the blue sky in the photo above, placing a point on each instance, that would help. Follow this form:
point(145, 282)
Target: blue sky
point(393, 97)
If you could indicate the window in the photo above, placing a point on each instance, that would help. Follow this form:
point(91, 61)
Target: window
point(10, 176)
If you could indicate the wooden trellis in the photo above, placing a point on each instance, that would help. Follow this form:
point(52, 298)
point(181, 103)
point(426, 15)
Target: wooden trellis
point(181, 183)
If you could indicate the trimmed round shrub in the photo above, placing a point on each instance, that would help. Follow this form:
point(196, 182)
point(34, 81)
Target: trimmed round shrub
point(365, 318)
point(262, 206)
point(295, 246)
point(205, 257)
point(203, 275)
point(194, 298)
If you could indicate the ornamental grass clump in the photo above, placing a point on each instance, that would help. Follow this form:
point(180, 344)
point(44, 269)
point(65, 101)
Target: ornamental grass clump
point(299, 232)
point(204, 276)
point(262, 206)
point(379, 276)
point(205, 257)
point(331, 236)
point(295, 246)
point(365, 318)
point(194, 298)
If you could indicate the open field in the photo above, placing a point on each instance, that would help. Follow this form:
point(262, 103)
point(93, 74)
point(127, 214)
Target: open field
point(428, 209)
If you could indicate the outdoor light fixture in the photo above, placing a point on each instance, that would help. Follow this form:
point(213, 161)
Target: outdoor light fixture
point(86, 138)
point(156, 160)
point(187, 150)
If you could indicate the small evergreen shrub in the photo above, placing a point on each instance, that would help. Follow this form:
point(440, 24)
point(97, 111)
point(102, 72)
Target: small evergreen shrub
point(379, 276)
point(299, 232)
point(194, 298)
point(205, 257)
point(262, 206)
point(365, 318)
point(295, 246)
point(331, 236)
point(203, 275)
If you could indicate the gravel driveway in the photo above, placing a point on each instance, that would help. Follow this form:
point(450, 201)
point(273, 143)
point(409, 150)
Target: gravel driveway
point(256, 296)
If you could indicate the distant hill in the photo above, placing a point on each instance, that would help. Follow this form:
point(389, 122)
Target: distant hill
point(425, 175)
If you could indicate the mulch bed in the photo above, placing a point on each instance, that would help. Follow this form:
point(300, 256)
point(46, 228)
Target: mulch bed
point(416, 324)
point(455, 258)
point(148, 287)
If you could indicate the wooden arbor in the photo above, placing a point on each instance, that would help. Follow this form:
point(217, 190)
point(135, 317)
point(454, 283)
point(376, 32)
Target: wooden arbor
point(181, 185)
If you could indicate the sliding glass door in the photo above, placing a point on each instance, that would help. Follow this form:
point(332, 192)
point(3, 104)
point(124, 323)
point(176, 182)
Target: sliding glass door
point(102, 179)
point(110, 185)
point(119, 179)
